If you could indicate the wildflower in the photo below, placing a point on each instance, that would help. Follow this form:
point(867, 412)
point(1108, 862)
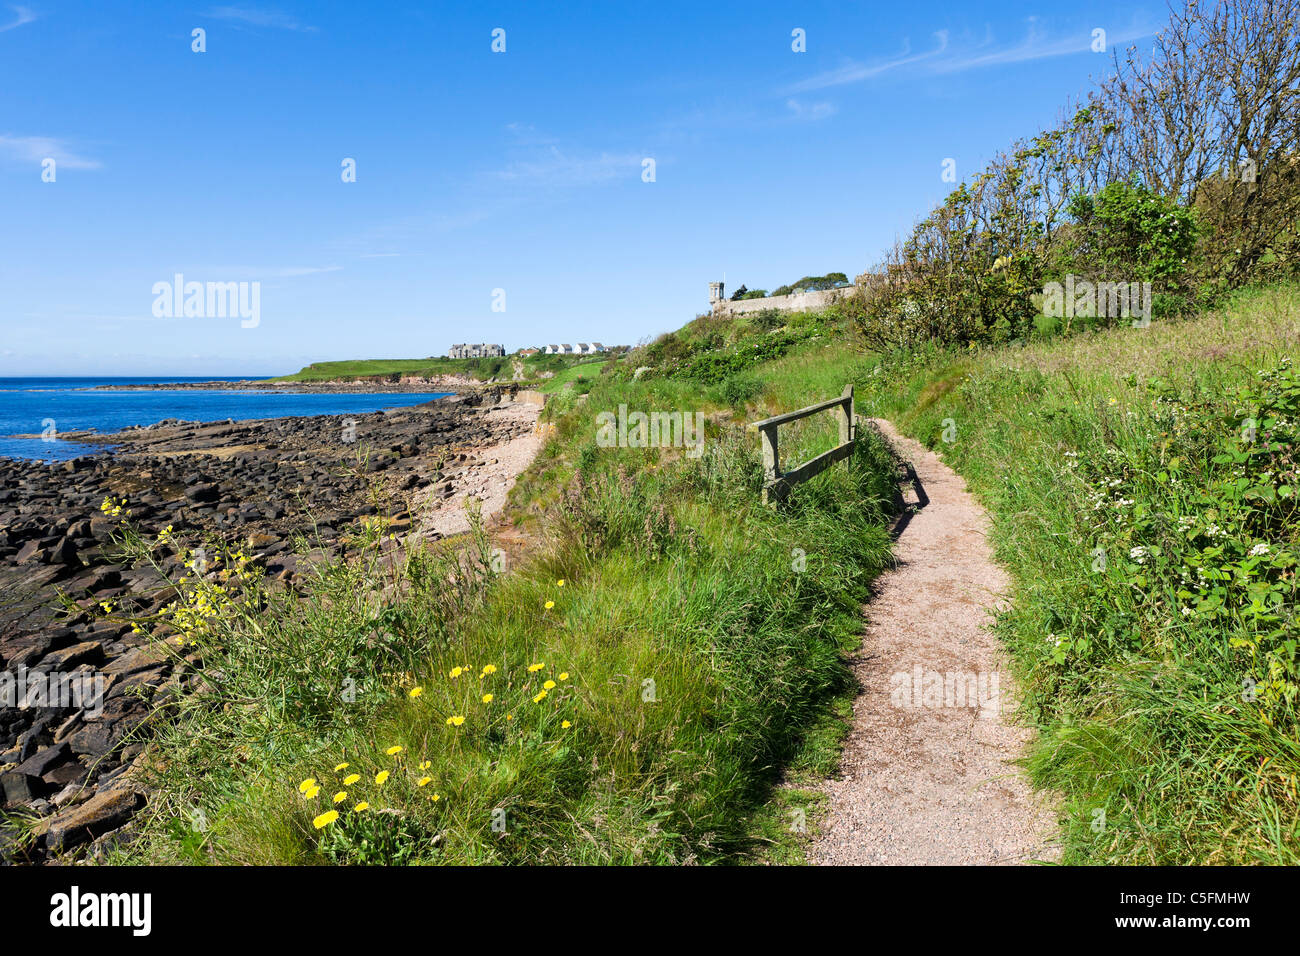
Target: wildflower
point(510, 716)
point(311, 792)
point(361, 806)
point(394, 751)
point(541, 696)
point(423, 781)
point(325, 819)
point(488, 669)
point(381, 777)
point(426, 764)
point(340, 796)
point(455, 721)
point(1259, 549)
point(350, 779)
point(564, 724)
point(550, 684)
point(435, 798)
point(560, 583)
point(415, 692)
point(306, 784)
point(455, 672)
point(341, 767)
point(564, 675)
point(534, 668)
point(549, 605)
point(487, 698)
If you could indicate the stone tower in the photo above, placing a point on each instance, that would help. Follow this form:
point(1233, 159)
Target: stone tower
point(715, 293)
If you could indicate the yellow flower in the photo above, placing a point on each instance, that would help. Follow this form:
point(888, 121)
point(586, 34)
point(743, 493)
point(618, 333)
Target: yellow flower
point(541, 696)
point(487, 698)
point(549, 605)
point(381, 777)
point(455, 721)
point(415, 692)
point(510, 716)
point(534, 668)
point(455, 672)
point(341, 766)
point(325, 819)
point(488, 669)
point(340, 796)
point(394, 751)
point(423, 781)
point(435, 798)
point(549, 685)
point(361, 806)
point(564, 675)
point(311, 793)
point(565, 724)
point(426, 764)
point(350, 779)
point(306, 784)
point(560, 583)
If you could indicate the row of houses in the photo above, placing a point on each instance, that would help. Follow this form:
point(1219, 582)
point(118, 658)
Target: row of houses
point(481, 350)
point(582, 348)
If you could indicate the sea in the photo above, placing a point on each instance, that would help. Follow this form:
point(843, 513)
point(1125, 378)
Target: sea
point(49, 407)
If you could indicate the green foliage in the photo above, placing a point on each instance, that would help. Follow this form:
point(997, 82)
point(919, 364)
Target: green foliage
point(813, 283)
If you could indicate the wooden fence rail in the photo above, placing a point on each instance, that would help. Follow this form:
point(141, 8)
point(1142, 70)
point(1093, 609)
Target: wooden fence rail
point(776, 483)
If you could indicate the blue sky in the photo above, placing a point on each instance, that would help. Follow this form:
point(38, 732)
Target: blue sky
point(478, 171)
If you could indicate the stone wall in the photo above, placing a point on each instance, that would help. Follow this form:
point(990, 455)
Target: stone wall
point(797, 302)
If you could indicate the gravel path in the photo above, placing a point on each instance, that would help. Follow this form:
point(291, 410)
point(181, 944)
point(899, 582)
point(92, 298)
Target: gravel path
point(927, 773)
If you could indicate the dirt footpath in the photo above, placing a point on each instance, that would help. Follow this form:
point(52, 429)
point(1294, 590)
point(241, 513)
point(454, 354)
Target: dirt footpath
point(928, 773)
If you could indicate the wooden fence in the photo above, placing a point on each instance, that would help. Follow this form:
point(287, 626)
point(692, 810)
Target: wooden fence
point(777, 484)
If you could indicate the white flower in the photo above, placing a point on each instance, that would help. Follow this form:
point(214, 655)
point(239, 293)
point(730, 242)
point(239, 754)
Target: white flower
point(1259, 549)
point(1138, 554)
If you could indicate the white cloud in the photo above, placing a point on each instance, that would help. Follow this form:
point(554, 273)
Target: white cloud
point(554, 167)
point(34, 149)
point(946, 57)
point(23, 14)
point(259, 17)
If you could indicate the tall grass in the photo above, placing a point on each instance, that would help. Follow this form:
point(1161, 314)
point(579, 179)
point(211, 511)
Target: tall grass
point(656, 660)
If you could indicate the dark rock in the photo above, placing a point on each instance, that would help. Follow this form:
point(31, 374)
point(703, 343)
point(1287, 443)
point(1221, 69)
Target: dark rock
point(98, 815)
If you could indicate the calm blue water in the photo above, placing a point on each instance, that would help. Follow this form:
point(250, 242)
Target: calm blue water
point(28, 404)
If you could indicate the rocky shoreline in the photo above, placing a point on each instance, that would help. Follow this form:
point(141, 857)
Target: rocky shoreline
point(257, 485)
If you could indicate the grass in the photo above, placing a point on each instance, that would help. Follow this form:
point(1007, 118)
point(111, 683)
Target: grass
point(694, 640)
point(581, 373)
point(1153, 543)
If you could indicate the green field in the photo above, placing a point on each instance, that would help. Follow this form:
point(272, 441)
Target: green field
point(484, 369)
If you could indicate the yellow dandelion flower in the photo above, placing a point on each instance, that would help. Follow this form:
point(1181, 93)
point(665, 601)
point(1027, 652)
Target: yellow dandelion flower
point(361, 806)
point(381, 777)
point(435, 798)
point(350, 779)
point(455, 721)
point(311, 792)
point(423, 781)
point(325, 819)
point(549, 685)
point(487, 698)
point(565, 724)
point(510, 716)
point(415, 692)
point(340, 796)
point(488, 669)
point(341, 766)
point(541, 696)
point(394, 751)
point(549, 605)
point(426, 764)
point(564, 675)
point(306, 784)
point(560, 583)
point(534, 668)
point(455, 672)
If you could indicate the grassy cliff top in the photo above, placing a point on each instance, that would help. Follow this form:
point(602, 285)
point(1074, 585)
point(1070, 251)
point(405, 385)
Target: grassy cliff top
point(481, 369)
